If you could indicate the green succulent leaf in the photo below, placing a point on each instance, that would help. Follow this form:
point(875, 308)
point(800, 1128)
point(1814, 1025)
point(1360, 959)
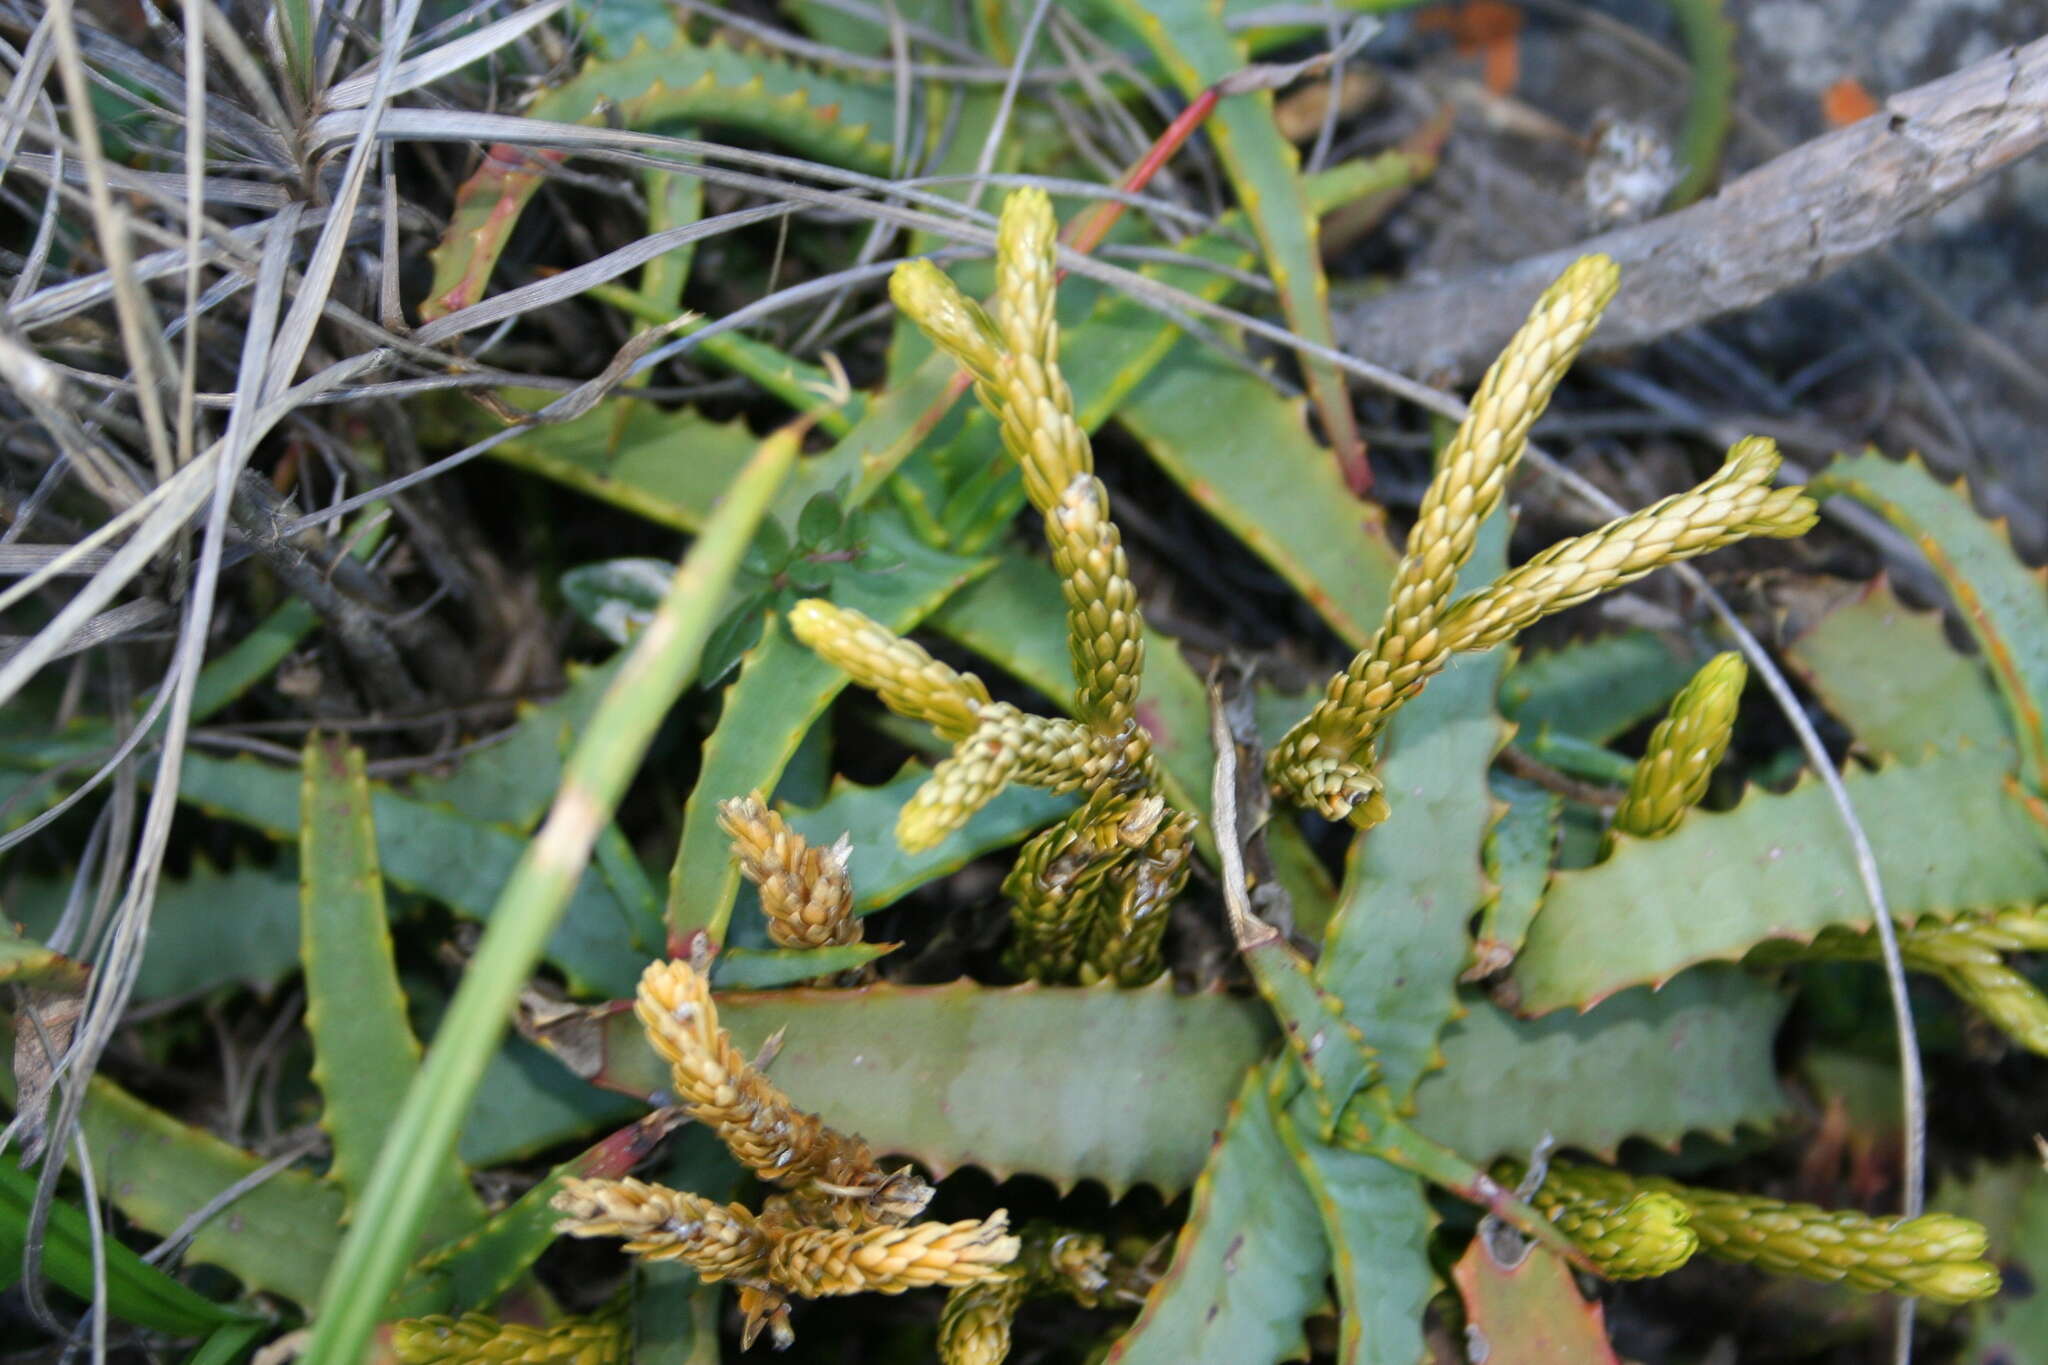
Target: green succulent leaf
point(25, 962)
point(527, 1104)
point(675, 1316)
point(882, 872)
point(511, 782)
point(1950, 834)
point(1697, 1055)
point(1376, 1221)
point(364, 1052)
point(1331, 1059)
point(1245, 453)
point(627, 456)
point(618, 597)
point(1889, 673)
point(431, 851)
point(753, 969)
point(1596, 689)
point(1519, 849)
point(782, 688)
point(277, 1236)
point(1248, 1265)
point(2001, 600)
point(1195, 47)
point(1125, 1087)
point(1400, 935)
point(758, 92)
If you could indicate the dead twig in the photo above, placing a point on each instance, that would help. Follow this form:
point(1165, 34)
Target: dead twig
point(1790, 222)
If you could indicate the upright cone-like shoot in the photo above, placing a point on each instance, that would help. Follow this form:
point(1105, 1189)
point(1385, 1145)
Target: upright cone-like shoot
point(909, 681)
point(806, 895)
point(718, 1241)
point(1088, 901)
point(477, 1339)
point(1325, 762)
point(1936, 1256)
point(1967, 953)
point(1736, 503)
point(768, 1134)
point(1684, 750)
point(1105, 636)
point(1650, 1234)
point(817, 1262)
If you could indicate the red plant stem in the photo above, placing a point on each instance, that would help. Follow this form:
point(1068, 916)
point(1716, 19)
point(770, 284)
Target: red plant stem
point(1085, 234)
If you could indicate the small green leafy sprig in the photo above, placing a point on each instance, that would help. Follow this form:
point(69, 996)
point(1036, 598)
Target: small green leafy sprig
point(829, 544)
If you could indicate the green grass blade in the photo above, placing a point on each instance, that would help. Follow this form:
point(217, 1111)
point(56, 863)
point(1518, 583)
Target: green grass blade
point(159, 1172)
point(782, 688)
point(1710, 106)
point(228, 1343)
point(395, 1203)
point(137, 1292)
point(364, 1053)
point(298, 26)
point(475, 1269)
point(890, 427)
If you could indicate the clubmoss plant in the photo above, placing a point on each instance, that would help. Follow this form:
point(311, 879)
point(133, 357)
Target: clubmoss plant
point(477, 1339)
point(1683, 751)
point(1090, 894)
point(1935, 1256)
point(843, 1227)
